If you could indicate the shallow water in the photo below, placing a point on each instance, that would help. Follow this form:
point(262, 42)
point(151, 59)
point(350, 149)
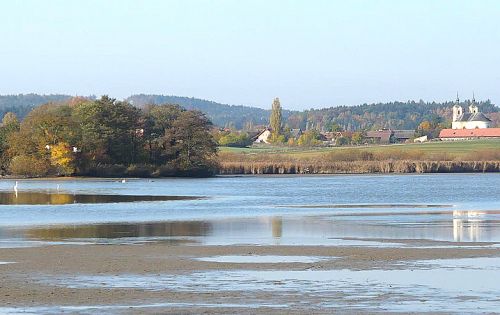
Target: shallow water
point(264, 259)
point(363, 211)
point(288, 210)
point(423, 286)
point(97, 309)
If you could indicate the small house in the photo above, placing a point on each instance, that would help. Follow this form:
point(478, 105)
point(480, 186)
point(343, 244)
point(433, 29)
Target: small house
point(263, 136)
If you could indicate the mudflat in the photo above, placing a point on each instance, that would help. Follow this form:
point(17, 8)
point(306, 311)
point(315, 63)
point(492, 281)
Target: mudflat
point(46, 279)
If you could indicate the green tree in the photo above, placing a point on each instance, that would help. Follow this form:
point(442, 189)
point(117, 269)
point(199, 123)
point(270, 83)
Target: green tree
point(157, 120)
point(110, 130)
point(191, 148)
point(309, 138)
point(357, 137)
point(235, 139)
point(275, 119)
point(42, 128)
point(10, 125)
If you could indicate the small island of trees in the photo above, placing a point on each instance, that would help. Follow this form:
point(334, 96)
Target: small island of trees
point(106, 137)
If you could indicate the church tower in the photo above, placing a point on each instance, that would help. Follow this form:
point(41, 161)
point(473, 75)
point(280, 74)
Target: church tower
point(457, 110)
point(473, 107)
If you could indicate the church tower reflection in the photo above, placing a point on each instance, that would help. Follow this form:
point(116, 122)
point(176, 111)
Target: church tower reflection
point(467, 226)
point(277, 228)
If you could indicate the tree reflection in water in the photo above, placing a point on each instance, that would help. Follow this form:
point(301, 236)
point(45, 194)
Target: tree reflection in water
point(42, 198)
point(158, 229)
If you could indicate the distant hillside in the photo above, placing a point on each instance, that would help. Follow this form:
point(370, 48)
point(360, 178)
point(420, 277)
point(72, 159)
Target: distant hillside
point(223, 115)
point(395, 115)
point(22, 104)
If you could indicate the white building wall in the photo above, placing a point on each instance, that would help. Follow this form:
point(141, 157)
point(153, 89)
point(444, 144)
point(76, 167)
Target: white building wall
point(263, 137)
point(476, 124)
point(458, 125)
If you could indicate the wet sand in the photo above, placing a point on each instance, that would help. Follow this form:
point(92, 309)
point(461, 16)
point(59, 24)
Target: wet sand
point(27, 283)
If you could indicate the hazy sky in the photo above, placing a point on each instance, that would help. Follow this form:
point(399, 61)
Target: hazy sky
point(309, 53)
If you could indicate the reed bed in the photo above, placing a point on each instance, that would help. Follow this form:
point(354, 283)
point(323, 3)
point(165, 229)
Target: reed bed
point(359, 162)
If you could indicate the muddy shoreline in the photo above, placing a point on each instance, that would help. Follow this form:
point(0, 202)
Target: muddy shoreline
point(23, 284)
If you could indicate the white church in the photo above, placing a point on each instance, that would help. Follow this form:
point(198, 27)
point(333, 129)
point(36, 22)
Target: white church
point(469, 125)
point(474, 119)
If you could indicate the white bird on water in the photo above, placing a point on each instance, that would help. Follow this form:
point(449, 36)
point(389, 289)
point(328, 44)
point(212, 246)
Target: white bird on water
point(15, 189)
point(124, 181)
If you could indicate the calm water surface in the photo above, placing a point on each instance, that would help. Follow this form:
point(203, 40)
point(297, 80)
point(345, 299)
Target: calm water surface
point(310, 210)
point(463, 210)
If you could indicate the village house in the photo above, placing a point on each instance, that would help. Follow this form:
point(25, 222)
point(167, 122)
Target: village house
point(386, 136)
point(263, 136)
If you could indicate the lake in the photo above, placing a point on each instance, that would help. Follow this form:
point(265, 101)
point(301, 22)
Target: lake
point(245, 234)
point(307, 209)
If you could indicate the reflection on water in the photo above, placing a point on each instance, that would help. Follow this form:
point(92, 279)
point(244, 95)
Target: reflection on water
point(244, 210)
point(42, 198)
point(277, 227)
point(467, 225)
point(139, 230)
point(307, 230)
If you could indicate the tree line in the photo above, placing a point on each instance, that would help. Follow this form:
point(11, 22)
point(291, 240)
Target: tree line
point(392, 115)
point(106, 137)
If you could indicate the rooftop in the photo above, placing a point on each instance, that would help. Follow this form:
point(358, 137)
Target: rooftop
point(470, 133)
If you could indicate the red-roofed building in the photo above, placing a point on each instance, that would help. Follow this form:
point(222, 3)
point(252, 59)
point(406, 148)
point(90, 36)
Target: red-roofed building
point(466, 134)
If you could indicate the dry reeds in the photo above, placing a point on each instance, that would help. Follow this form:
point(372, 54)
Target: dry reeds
point(359, 162)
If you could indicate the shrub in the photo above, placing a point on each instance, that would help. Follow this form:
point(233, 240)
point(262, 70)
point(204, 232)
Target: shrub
point(235, 140)
point(140, 170)
point(29, 166)
point(106, 170)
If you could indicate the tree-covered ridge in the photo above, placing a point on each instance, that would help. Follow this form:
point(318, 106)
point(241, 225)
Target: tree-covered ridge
point(222, 115)
point(22, 104)
point(394, 115)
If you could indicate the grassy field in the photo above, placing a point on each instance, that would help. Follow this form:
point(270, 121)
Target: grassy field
point(455, 148)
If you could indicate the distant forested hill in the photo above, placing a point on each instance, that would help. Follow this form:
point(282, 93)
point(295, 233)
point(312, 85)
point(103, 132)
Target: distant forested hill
point(22, 104)
point(223, 115)
point(395, 115)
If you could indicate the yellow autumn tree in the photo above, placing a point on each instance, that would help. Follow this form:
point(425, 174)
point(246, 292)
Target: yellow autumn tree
point(61, 157)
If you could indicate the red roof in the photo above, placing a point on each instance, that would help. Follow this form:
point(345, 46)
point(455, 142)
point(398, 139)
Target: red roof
point(470, 133)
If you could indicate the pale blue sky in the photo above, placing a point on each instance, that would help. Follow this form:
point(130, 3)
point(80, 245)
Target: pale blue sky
point(309, 53)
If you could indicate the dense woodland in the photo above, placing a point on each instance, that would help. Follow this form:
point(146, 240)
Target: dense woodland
point(22, 104)
point(395, 115)
point(106, 137)
point(228, 116)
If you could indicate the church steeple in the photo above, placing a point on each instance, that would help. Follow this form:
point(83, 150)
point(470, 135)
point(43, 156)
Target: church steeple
point(457, 110)
point(473, 107)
